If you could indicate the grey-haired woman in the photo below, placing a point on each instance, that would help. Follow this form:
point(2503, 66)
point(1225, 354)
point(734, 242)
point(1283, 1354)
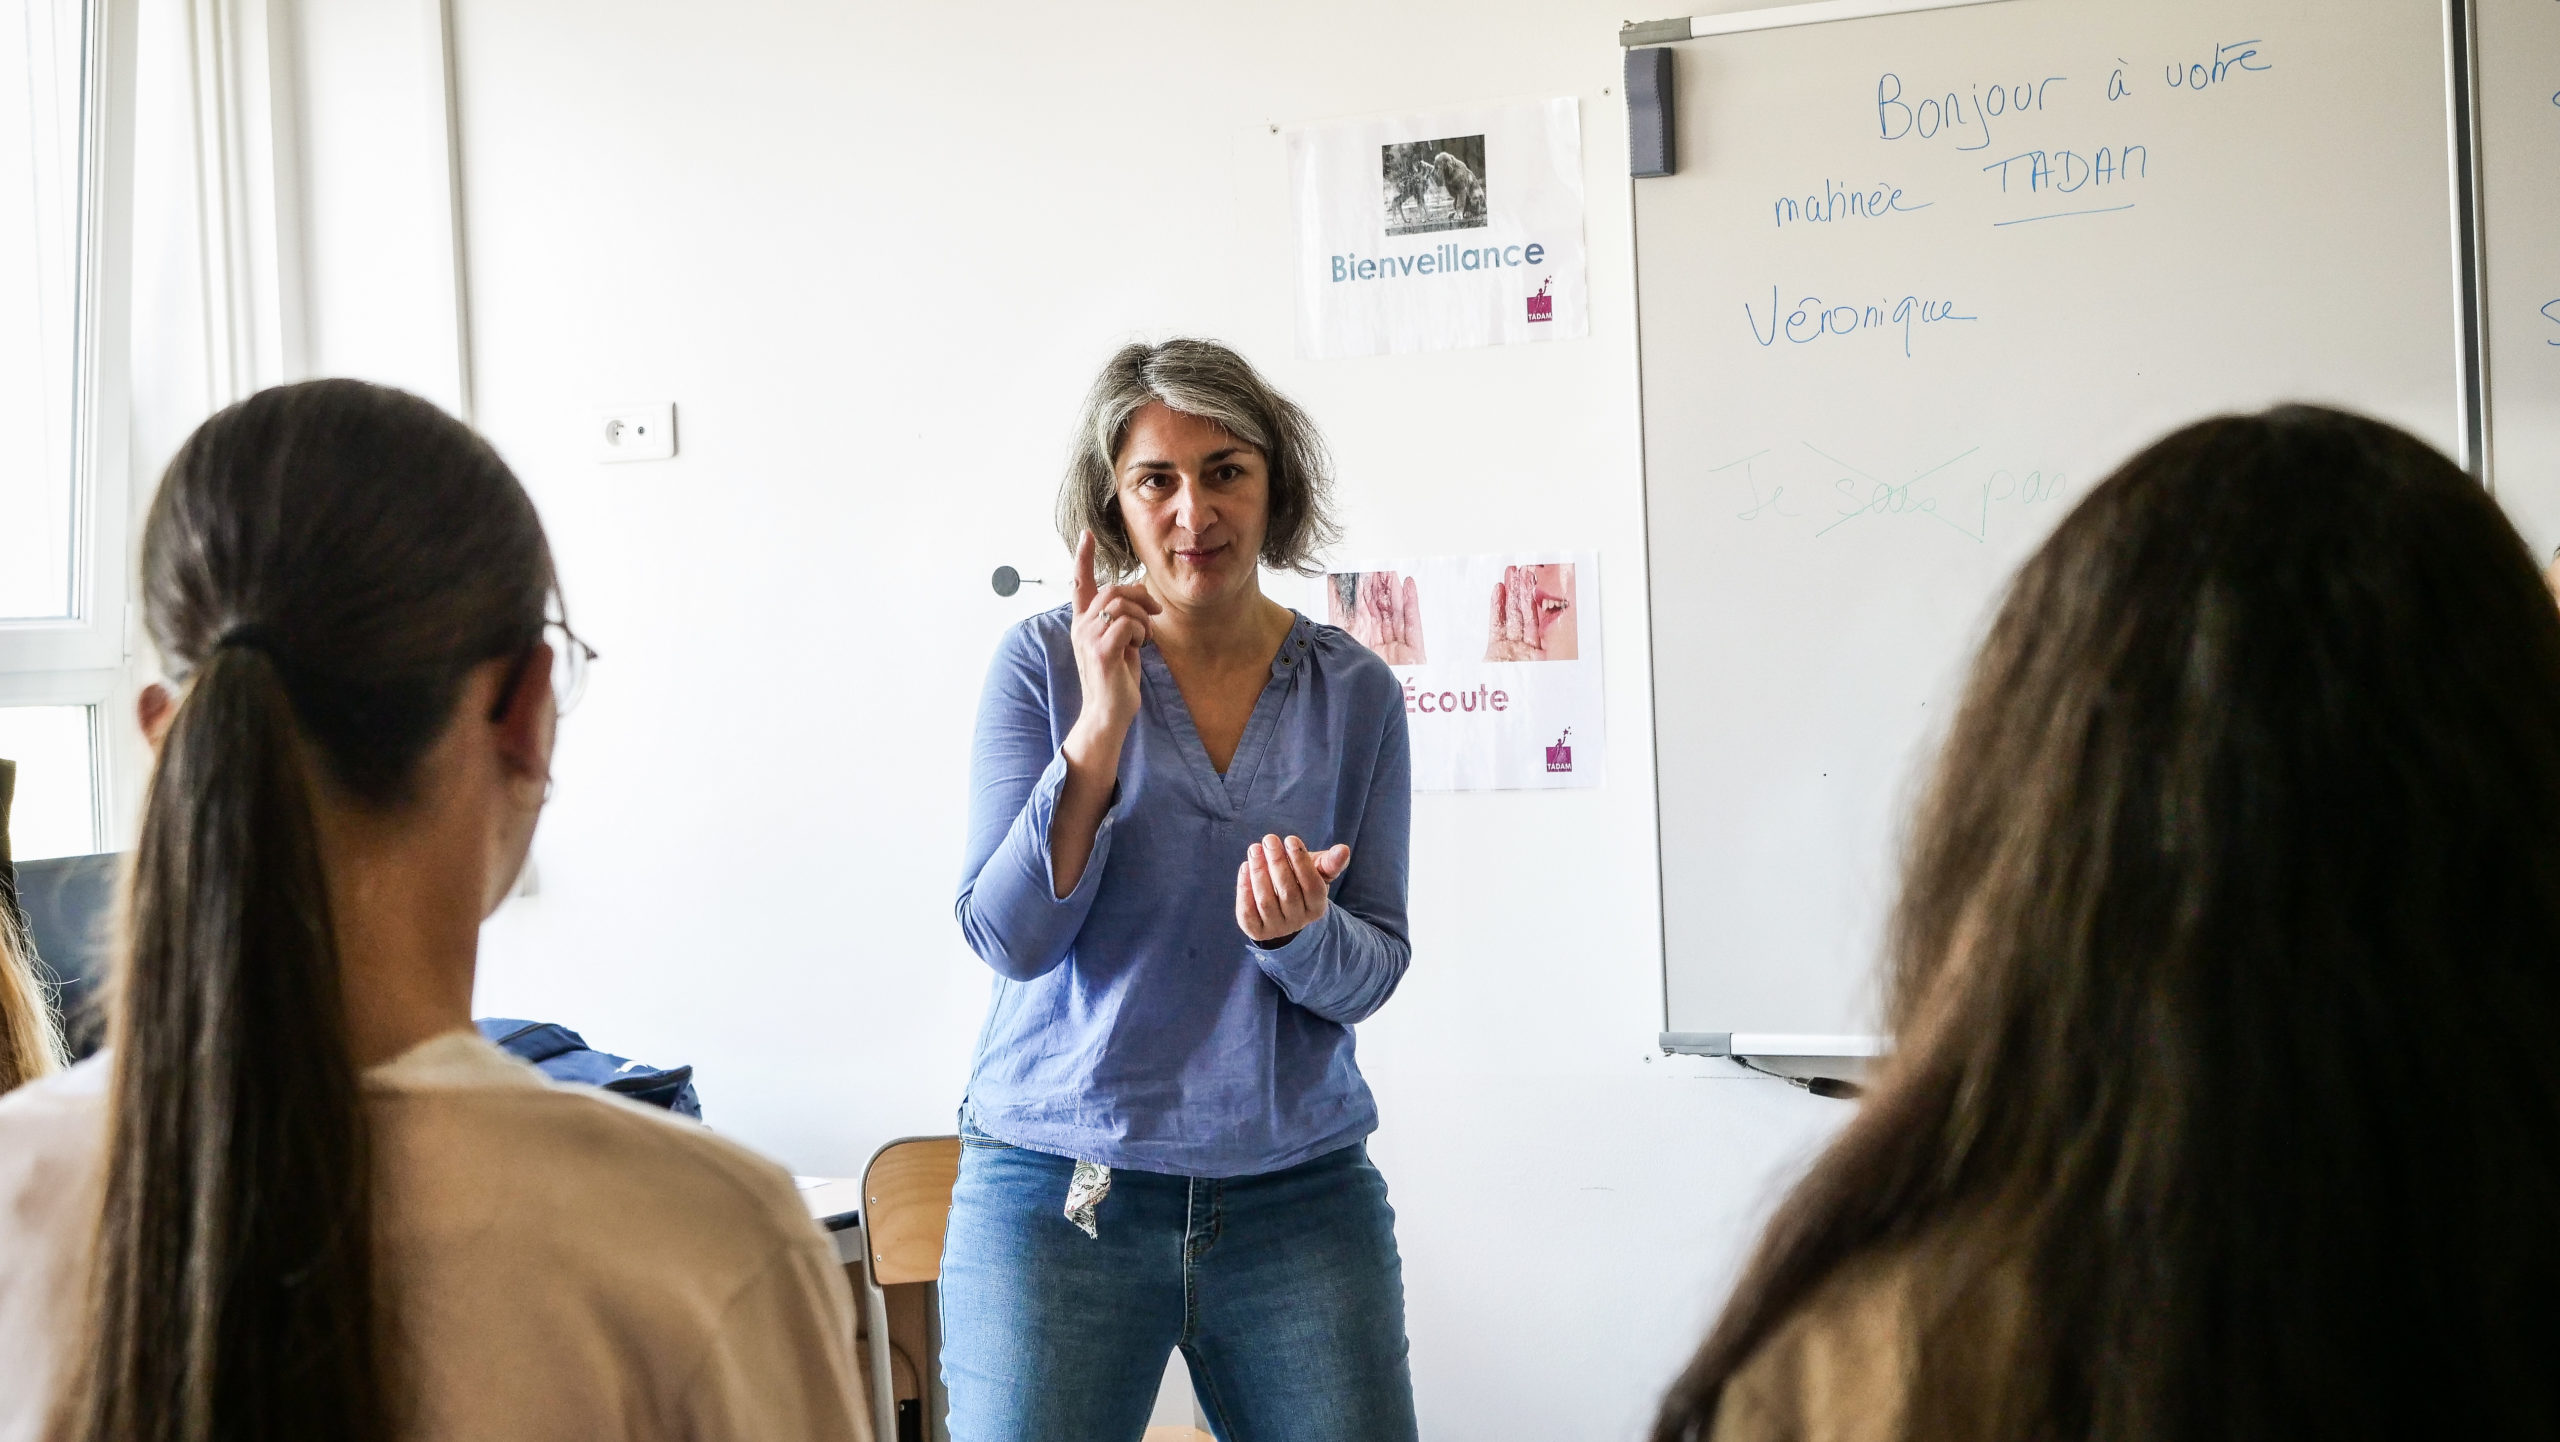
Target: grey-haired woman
point(1187, 868)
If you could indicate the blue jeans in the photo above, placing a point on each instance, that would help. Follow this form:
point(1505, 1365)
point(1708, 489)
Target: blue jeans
point(1284, 1292)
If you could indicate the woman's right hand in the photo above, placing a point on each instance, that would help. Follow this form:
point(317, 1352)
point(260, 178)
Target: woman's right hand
point(1111, 627)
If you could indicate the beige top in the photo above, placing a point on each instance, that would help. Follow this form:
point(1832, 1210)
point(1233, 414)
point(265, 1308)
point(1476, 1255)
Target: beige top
point(1840, 1369)
point(563, 1263)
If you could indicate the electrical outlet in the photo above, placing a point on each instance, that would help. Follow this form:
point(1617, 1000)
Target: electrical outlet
point(636, 433)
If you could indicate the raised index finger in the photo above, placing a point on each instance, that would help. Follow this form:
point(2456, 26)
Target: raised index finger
point(1084, 572)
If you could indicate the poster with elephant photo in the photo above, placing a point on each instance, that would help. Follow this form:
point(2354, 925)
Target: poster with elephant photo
point(1499, 657)
point(1441, 230)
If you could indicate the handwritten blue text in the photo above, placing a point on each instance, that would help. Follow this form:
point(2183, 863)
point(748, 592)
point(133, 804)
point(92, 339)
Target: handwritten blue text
point(1811, 320)
point(2229, 59)
point(1836, 204)
point(1949, 113)
point(2067, 171)
point(1961, 495)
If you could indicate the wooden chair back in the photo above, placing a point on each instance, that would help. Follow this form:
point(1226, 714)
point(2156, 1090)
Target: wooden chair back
point(906, 1204)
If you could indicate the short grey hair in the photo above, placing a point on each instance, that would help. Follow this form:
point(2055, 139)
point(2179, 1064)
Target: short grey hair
point(1208, 380)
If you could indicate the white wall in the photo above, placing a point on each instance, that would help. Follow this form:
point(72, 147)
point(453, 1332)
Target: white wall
point(874, 253)
point(375, 189)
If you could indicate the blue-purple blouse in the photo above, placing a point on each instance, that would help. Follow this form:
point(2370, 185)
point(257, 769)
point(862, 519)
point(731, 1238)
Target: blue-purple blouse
point(1133, 1023)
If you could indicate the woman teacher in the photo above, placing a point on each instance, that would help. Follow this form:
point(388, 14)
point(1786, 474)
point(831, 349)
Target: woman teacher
point(1187, 867)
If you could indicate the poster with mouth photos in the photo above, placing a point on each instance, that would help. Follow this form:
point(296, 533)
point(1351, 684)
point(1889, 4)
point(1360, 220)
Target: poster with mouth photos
point(1499, 657)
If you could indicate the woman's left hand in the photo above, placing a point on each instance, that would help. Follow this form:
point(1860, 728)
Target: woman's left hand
point(1283, 888)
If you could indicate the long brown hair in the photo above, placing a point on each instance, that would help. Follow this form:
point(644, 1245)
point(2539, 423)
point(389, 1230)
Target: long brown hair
point(30, 1042)
point(30, 1036)
point(322, 566)
point(2226, 968)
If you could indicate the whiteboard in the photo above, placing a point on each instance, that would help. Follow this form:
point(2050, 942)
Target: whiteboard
point(1920, 281)
point(2519, 107)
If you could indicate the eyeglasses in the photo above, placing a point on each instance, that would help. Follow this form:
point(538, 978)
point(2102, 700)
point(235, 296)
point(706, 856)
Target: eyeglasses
point(570, 658)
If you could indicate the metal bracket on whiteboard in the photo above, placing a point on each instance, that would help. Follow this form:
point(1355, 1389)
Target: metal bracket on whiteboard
point(1653, 32)
point(1776, 17)
point(1652, 137)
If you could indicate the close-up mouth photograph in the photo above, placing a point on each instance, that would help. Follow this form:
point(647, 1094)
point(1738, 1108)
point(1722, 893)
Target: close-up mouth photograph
point(1789, 721)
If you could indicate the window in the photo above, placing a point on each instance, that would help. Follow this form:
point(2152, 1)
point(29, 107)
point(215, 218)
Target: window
point(62, 494)
point(41, 120)
point(55, 812)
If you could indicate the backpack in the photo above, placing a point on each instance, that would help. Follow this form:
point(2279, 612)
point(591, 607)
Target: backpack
point(564, 1056)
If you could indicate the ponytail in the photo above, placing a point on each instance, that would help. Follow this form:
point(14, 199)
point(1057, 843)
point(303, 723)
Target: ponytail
point(233, 1292)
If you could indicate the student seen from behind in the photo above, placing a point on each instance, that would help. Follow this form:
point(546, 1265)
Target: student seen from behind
point(2225, 970)
point(299, 1196)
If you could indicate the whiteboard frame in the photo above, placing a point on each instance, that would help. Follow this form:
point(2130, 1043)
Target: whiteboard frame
point(1775, 17)
point(2470, 286)
point(2471, 341)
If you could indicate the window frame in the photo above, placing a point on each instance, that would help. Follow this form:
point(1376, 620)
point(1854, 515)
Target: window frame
point(95, 692)
point(85, 659)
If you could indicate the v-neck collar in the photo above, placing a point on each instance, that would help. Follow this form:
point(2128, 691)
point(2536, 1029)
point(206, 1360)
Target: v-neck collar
point(1227, 793)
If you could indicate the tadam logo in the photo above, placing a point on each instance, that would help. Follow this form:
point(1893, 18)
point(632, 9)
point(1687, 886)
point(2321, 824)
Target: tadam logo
point(1542, 306)
point(1560, 756)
